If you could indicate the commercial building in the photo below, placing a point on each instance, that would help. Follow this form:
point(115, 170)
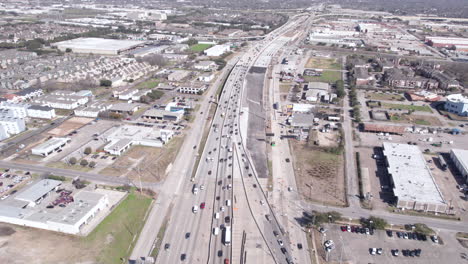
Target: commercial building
point(163, 115)
point(205, 65)
point(97, 45)
point(192, 88)
point(458, 104)
point(369, 127)
point(178, 75)
point(301, 120)
point(217, 50)
point(460, 44)
point(206, 77)
point(92, 110)
point(124, 108)
point(23, 209)
point(413, 185)
point(460, 159)
point(48, 147)
point(12, 125)
point(123, 137)
point(43, 112)
point(62, 101)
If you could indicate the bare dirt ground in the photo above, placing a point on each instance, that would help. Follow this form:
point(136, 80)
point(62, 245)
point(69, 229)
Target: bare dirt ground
point(24, 245)
point(146, 162)
point(69, 126)
point(319, 175)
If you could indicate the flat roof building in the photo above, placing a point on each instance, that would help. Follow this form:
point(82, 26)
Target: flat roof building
point(458, 104)
point(460, 159)
point(217, 50)
point(413, 185)
point(48, 147)
point(37, 191)
point(98, 45)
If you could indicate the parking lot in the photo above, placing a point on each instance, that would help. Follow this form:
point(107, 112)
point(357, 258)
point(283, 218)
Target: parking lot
point(356, 248)
point(10, 181)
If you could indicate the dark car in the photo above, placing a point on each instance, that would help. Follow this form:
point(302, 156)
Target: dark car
point(275, 233)
point(283, 250)
point(183, 257)
point(220, 253)
point(187, 235)
point(167, 246)
point(417, 252)
point(389, 233)
point(227, 219)
point(424, 237)
point(287, 160)
point(209, 172)
point(255, 185)
point(299, 245)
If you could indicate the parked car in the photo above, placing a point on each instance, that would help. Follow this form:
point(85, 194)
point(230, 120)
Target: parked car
point(435, 239)
point(395, 252)
point(389, 233)
point(373, 251)
point(379, 251)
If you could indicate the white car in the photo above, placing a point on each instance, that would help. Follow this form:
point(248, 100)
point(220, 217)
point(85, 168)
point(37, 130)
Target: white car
point(328, 243)
point(373, 251)
point(348, 228)
point(4, 197)
point(195, 209)
point(222, 208)
point(262, 202)
point(202, 187)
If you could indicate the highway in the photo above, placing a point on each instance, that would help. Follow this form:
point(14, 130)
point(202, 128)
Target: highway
point(190, 235)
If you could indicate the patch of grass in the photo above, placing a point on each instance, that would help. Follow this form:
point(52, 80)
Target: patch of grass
point(148, 84)
point(61, 165)
point(161, 233)
point(422, 108)
point(115, 234)
point(416, 119)
point(384, 96)
point(323, 63)
point(200, 47)
point(395, 210)
point(327, 76)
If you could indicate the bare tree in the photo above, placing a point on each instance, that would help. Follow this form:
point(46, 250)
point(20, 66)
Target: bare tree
point(155, 59)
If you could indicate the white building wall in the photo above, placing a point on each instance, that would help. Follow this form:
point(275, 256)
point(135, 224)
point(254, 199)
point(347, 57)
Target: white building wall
point(36, 113)
point(12, 125)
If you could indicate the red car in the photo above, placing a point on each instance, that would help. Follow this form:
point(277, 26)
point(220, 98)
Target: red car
point(202, 205)
point(343, 228)
point(226, 261)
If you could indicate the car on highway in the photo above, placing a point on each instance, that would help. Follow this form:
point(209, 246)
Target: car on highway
point(280, 242)
point(226, 261)
point(202, 205)
point(227, 219)
point(202, 187)
point(275, 233)
point(221, 208)
point(283, 250)
point(187, 235)
point(195, 209)
point(183, 257)
point(299, 245)
point(167, 246)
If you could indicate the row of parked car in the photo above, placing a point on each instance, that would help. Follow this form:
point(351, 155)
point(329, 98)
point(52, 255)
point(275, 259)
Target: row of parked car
point(357, 229)
point(396, 252)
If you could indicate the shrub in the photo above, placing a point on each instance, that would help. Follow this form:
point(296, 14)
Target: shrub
point(72, 160)
point(87, 150)
point(83, 162)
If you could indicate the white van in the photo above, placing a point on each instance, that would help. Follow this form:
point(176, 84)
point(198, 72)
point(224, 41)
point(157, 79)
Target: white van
point(228, 203)
point(216, 231)
point(216, 216)
point(195, 209)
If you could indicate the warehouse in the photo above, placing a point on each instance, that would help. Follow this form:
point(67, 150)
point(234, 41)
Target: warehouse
point(217, 50)
point(413, 184)
point(460, 159)
point(48, 147)
point(97, 45)
point(35, 193)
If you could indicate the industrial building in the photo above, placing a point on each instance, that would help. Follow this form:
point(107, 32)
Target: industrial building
point(98, 45)
point(48, 147)
point(458, 104)
point(411, 179)
point(25, 208)
point(460, 159)
point(460, 44)
point(217, 50)
point(163, 115)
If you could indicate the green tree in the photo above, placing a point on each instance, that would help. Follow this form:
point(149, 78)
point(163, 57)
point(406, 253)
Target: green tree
point(374, 222)
point(68, 50)
point(340, 92)
point(33, 44)
point(72, 160)
point(83, 162)
point(92, 164)
point(87, 150)
point(105, 83)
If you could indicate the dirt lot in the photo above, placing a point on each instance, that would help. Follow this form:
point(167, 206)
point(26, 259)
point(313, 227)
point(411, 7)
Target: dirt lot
point(319, 174)
point(416, 119)
point(384, 96)
point(147, 162)
point(69, 126)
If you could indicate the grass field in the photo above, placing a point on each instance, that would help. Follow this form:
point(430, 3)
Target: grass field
point(115, 234)
point(148, 84)
point(323, 63)
point(417, 120)
point(200, 47)
point(62, 165)
point(327, 76)
point(422, 108)
point(384, 96)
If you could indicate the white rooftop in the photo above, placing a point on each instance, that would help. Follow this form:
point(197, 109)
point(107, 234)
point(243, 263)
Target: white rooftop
point(457, 98)
point(37, 190)
point(412, 178)
point(51, 143)
point(98, 44)
point(462, 156)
